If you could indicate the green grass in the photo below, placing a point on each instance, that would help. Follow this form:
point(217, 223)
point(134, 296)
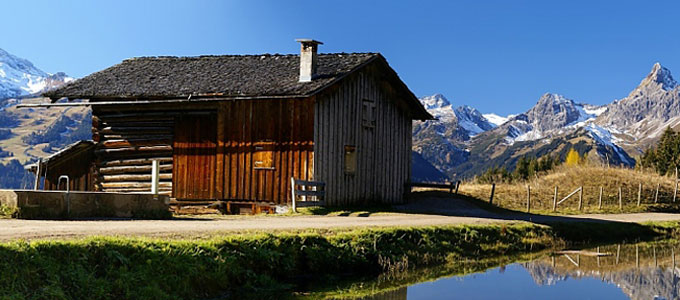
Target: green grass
point(268, 265)
point(261, 264)
point(7, 212)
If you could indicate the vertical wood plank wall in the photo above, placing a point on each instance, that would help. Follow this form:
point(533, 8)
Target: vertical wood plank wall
point(77, 167)
point(383, 152)
point(286, 126)
point(193, 159)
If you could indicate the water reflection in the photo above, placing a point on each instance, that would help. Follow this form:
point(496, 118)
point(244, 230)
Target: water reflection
point(640, 271)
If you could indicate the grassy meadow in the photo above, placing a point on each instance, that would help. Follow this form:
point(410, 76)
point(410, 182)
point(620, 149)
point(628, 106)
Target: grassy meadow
point(591, 178)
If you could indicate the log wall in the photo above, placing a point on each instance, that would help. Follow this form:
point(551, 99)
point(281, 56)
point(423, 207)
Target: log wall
point(363, 112)
point(127, 142)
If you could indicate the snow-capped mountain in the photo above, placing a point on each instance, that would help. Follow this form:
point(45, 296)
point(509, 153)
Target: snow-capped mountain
point(19, 77)
point(441, 142)
point(462, 118)
point(27, 134)
point(552, 115)
point(496, 119)
point(611, 134)
point(650, 108)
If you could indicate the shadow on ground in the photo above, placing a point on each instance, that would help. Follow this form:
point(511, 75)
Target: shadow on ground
point(570, 228)
point(443, 203)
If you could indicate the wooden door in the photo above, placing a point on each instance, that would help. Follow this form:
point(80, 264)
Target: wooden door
point(194, 156)
point(368, 127)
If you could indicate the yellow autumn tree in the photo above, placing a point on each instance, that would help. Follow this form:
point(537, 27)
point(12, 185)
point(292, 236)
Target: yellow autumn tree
point(573, 158)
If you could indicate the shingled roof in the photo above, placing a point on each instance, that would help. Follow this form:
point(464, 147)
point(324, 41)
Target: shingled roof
point(263, 76)
point(225, 75)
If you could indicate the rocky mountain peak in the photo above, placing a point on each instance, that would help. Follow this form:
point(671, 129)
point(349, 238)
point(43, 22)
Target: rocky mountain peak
point(553, 111)
point(9, 61)
point(659, 76)
point(649, 108)
point(19, 77)
point(435, 101)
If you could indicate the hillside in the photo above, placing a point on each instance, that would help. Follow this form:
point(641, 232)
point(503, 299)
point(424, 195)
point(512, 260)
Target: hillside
point(27, 134)
point(591, 178)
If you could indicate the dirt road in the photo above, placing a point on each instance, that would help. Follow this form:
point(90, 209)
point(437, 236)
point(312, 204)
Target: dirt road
point(12, 229)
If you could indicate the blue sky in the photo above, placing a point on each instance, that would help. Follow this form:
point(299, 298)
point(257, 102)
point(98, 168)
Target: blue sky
point(497, 56)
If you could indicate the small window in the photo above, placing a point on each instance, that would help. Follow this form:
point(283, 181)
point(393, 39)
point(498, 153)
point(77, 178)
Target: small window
point(350, 160)
point(368, 113)
point(263, 157)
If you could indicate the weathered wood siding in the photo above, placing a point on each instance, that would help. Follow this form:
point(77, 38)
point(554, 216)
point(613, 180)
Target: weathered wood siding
point(207, 151)
point(193, 160)
point(283, 128)
point(383, 151)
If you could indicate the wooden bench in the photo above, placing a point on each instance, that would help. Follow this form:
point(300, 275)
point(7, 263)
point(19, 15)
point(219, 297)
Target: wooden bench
point(304, 189)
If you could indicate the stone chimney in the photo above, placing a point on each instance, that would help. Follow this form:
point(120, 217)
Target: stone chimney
point(308, 59)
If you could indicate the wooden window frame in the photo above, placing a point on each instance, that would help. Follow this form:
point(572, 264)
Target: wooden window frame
point(368, 113)
point(350, 159)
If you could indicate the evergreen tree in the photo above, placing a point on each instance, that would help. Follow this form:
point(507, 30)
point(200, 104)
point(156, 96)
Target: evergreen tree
point(666, 155)
point(648, 159)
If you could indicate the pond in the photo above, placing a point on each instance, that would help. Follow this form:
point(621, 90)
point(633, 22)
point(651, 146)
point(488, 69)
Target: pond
point(637, 271)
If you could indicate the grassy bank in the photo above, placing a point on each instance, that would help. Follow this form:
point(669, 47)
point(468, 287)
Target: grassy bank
point(266, 264)
point(591, 178)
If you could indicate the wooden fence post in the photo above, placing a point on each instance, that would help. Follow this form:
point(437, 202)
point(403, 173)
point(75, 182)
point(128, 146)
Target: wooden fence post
point(580, 198)
point(452, 185)
point(555, 200)
point(675, 179)
point(528, 198)
point(673, 255)
point(599, 202)
point(155, 171)
point(675, 191)
point(457, 186)
point(493, 189)
point(36, 186)
point(620, 200)
point(639, 194)
point(656, 195)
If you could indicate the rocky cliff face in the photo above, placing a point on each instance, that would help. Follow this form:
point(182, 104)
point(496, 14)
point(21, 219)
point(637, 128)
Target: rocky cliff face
point(652, 106)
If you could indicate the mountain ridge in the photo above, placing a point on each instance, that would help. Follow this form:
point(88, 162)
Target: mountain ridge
point(612, 133)
point(20, 78)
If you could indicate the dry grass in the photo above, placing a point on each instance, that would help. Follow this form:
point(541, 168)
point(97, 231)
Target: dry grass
point(568, 179)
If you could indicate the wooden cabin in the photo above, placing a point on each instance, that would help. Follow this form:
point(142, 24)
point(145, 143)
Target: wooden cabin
point(239, 127)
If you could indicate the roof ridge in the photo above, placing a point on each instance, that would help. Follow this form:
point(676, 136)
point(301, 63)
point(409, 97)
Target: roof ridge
point(242, 55)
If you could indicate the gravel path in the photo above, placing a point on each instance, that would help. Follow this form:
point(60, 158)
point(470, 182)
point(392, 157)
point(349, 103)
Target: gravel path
point(12, 229)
